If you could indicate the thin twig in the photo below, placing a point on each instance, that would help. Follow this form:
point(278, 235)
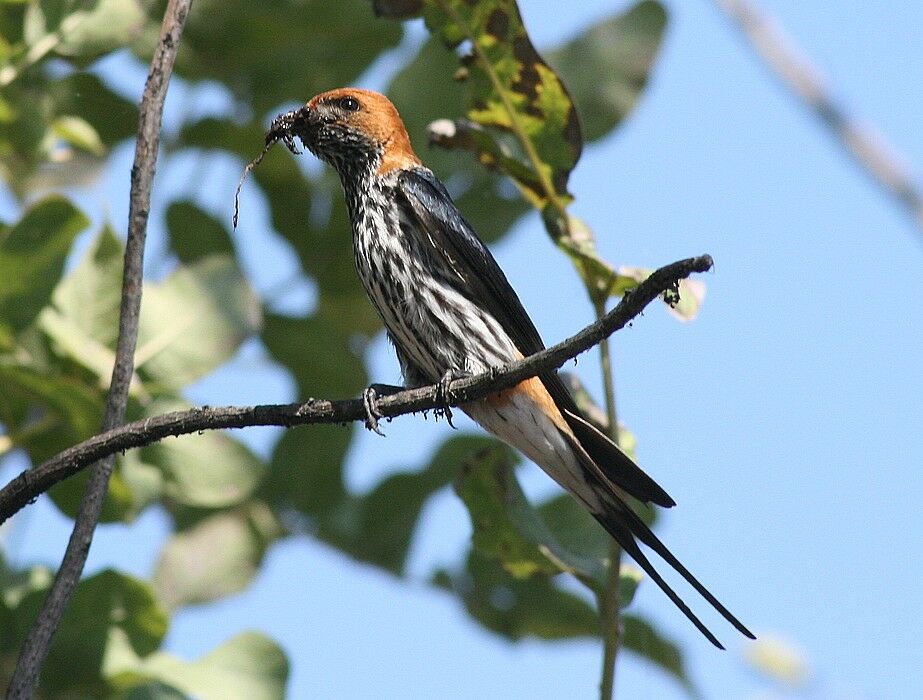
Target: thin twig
point(35, 649)
point(796, 72)
point(30, 484)
point(609, 603)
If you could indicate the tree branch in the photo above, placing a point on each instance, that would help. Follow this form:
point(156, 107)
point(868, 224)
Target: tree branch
point(35, 648)
point(30, 484)
point(803, 79)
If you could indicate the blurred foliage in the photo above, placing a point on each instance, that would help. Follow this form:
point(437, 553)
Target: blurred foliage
point(780, 660)
point(109, 640)
point(61, 114)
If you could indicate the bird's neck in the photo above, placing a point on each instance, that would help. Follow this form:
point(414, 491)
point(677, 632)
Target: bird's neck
point(359, 184)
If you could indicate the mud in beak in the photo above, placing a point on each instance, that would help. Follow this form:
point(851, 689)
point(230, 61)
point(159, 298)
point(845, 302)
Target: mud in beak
point(299, 122)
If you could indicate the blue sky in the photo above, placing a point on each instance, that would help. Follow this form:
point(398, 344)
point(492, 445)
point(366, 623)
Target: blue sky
point(786, 420)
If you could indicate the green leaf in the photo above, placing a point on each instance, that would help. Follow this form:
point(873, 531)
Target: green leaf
point(508, 529)
point(78, 133)
point(573, 527)
point(305, 475)
point(248, 667)
point(14, 587)
point(32, 256)
point(70, 341)
point(120, 504)
point(577, 531)
point(7, 111)
point(103, 27)
point(517, 608)
point(91, 294)
point(190, 324)
point(151, 690)
point(378, 528)
point(194, 321)
point(607, 67)
point(113, 117)
point(235, 540)
point(82, 322)
point(211, 470)
point(640, 637)
point(108, 609)
point(512, 89)
point(45, 413)
point(194, 234)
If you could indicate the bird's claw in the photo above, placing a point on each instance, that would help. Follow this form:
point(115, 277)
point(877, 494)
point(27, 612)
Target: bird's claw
point(372, 414)
point(445, 396)
point(370, 402)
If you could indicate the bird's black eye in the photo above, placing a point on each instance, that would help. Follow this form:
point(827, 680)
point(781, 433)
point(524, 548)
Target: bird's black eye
point(350, 104)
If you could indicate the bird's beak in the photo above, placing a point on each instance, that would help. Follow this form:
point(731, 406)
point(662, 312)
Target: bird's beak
point(299, 122)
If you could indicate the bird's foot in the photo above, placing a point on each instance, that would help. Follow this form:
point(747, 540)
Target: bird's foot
point(444, 394)
point(370, 401)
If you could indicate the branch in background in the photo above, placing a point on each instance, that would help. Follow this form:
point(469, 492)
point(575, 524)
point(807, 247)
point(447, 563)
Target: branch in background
point(30, 484)
point(35, 649)
point(797, 73)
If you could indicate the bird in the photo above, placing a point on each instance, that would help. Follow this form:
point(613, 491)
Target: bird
point(450, 311)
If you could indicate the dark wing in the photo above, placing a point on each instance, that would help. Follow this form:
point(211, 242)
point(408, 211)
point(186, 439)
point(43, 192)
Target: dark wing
point(483, 282)
point(452, 238)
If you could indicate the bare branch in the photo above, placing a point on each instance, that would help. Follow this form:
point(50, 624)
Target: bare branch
point(35, 648)
point(30, 484)
point(797, 73)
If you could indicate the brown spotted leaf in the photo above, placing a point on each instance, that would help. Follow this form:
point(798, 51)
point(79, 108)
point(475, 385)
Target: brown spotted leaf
point(514, 91)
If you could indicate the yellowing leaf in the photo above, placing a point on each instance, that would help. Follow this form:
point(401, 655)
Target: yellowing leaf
point(513, 90)
point(779, 659)
point(248, 667)
point(79, 133)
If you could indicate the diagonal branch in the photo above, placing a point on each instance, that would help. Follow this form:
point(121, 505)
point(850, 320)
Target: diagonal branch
point(35, 648)
point(30, 484)
point(803, 79)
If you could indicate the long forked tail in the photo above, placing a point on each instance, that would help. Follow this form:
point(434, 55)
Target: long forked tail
point(620, 521)
point(627, 528)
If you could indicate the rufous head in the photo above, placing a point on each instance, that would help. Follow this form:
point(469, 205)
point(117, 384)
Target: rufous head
point(356, 131)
